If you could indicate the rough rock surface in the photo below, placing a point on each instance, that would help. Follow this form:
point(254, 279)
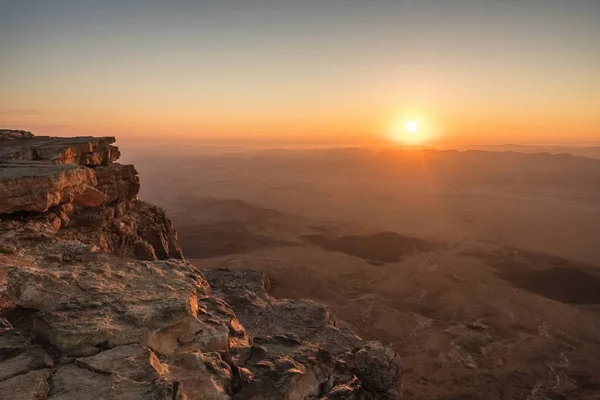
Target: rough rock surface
point(297, 342)
point(83, 150)
point(117, 181)
point(37, 186)
point(96, 301)
point(9, 134)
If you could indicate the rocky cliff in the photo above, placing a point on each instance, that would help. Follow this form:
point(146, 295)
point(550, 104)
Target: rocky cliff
point(97, 301)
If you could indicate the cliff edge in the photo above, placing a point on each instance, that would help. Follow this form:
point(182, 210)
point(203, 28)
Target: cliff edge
point(97, 301)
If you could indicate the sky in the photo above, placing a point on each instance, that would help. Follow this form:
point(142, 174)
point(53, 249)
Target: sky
point(326, 71)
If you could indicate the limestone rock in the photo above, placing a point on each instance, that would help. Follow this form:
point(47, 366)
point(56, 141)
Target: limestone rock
point(31, 359)
point(44, 287)
point(118, 181)
point(304, 330)
point(281, 367)
point(134, 362)
point(350, 390)
point(119, 227)
point(89, 197)
point(378, 368)
point(261, 315)
point(202, 376)
point(84, 150)
point(85, 325)
point(144, 251)
point(9, 134)
point(107, 302)
point(35, 186)
point(71, 382)
point(11, 344)
point(30, 386)
point(35, 289)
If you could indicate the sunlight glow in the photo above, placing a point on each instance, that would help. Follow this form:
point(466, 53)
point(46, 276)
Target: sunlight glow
point(411, 128)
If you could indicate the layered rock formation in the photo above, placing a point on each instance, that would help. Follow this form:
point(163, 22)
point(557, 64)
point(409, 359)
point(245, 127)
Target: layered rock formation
point(100, 304)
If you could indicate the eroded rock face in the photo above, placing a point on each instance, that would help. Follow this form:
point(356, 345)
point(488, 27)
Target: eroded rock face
point(300, 370)
point(134, 362)
point(202, 376)
point(75, 383)
point(296, 343)
point(88, 151)
point(34, 186)
point(110, 310)
point(32, 385)
point(117, 181)
point(129, 228)
point(262, 315)
point(29, 359)
point(9, 134)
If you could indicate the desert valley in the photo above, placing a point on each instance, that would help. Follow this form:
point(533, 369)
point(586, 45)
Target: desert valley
point(481, 268)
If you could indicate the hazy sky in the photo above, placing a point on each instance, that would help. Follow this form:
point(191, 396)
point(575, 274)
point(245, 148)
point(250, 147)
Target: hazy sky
point(334, 70)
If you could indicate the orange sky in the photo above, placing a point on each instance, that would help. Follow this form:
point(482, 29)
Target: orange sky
point(338, 72)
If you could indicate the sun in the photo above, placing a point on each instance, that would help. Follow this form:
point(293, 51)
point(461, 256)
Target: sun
point(412, 126)
point(411, 129)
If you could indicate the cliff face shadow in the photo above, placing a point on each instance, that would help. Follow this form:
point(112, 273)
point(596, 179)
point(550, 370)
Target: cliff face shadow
point(378, 248)
point(563, 280)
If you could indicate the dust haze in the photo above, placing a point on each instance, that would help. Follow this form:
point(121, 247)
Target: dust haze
point(479, 265)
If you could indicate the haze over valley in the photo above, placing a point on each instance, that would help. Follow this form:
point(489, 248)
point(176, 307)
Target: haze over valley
point(481, 268)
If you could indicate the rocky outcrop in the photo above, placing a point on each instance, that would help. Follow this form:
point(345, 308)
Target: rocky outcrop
point(105, 306)
point(88, 151)
point(74, 186)
point(9, 134)
point(300, 343)
point(117, 181)
point(37, 186)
